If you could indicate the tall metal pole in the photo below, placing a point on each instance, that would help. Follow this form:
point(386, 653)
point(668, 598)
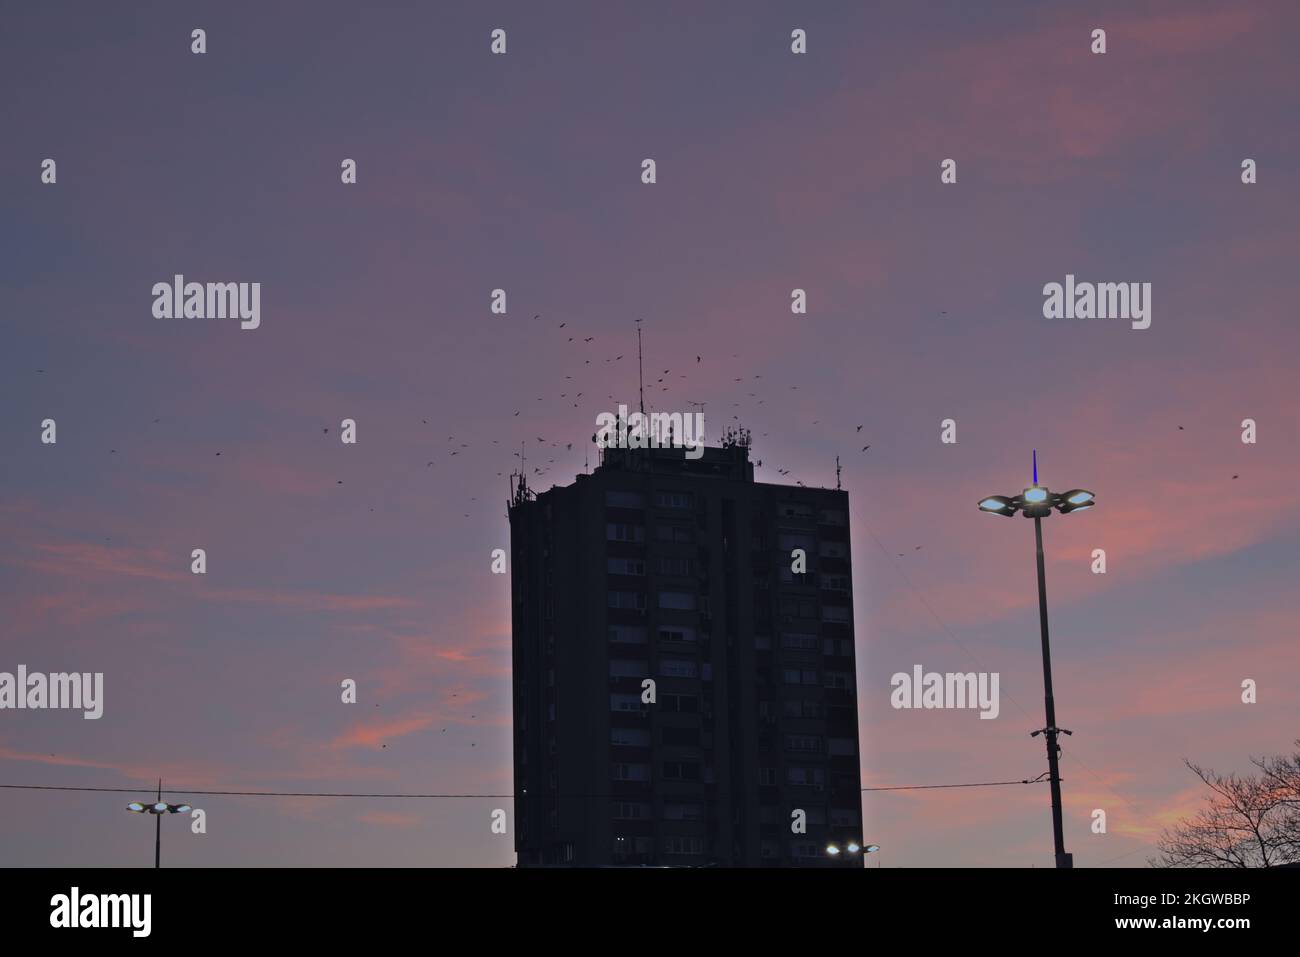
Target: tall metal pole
point(157, 832)
point(640, 376)
point(1054, 771)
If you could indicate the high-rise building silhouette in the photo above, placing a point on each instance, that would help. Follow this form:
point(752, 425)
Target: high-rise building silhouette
point(658, 567)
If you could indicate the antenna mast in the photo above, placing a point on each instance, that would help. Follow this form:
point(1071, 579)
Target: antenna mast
point(640, 376)
point(837, 473)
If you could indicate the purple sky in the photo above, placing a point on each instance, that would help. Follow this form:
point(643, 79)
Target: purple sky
point(522, 171)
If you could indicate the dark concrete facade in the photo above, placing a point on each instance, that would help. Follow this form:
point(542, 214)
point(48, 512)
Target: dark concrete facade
point(659, 567)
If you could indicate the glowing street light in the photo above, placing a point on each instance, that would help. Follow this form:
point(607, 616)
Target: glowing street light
point(1037, 502)
point(853, 847)
point(158, 809)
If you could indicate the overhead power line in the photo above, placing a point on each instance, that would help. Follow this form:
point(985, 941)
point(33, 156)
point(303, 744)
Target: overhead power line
point(358, 794)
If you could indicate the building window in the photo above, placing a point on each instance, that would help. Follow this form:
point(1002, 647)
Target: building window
point(843, 746)
point(801, 709)
point(835, 613)
point(630, 772)
point(631, 811)
point(844, 817)
point(677, 668)
point(629, 737)
point(624, 702)
point(674, 499)
point(799, 642)
point(628, 668)
point(839, 583)
point(683, 845)
point(799, 676)
point(622, 499)
point(803, 742)
point(790, 541)
point(627, 634)
point(676, 633)
point(634, 600)
point(839, 680)
point(840, 647)
point(794, 510)
point(682, 534)
point(767, 777)
point(681, 703)
point(683, 812)
point(793, 607)
point(625, 566)
point(681, 771)
point(787, 576)
point(622, 532)
point(679, 600)
point(805, 777)
point(833, 550)
point(833, 516)
point(673, 566)
point(681, 737)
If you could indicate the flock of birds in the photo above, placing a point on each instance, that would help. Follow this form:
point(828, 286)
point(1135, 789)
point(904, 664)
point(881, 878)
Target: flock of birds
point(659, 386)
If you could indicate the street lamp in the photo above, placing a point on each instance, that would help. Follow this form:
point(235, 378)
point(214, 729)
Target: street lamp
point(853, 847)
point(158, 809)
point(1037, 502)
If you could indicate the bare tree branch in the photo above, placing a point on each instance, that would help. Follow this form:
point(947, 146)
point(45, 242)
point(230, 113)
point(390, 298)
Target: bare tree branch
point(1249, 821)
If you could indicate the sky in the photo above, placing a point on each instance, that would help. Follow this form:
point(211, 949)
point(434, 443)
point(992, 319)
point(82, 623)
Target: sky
point(774, 171)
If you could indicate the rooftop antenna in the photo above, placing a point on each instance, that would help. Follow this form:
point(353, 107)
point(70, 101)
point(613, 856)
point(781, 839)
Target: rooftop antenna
point(639, 374)
point(1035, 466)
point(837, 473)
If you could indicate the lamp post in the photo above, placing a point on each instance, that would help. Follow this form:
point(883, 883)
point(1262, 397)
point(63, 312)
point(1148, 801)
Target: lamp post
point(1037, 502)
point(158, 809)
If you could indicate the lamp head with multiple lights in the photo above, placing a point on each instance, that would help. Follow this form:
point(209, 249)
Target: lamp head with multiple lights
point(159, 808)
point(1037, 501)
point(853, 847)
